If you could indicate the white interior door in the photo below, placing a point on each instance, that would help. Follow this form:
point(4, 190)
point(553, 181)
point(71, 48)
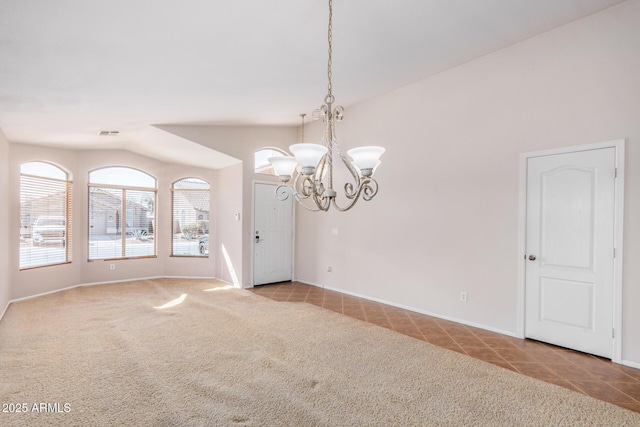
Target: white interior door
point(570, 250)
point(272, 236)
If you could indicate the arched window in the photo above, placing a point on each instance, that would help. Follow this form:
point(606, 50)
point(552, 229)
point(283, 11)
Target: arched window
point(190, 217)
point(45, 215)
point(122, 204)
point(261, 162)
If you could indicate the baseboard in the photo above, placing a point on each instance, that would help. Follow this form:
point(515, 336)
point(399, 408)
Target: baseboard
point(117, 281)
point(317, 285)
point(104, 283)
point(416, 310)
point(192, 277)
point(630, 364)
point(44, 293)
point(4, 311)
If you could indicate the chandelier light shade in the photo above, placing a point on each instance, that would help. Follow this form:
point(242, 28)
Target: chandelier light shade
point(284, 166)
point(313, 164)
point(308, 156)
point(366, 158)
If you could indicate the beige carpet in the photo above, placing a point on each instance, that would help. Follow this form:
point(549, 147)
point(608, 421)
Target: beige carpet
point(104, 355)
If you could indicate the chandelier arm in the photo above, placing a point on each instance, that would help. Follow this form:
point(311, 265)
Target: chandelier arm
point(352, 195)
point(301, 195)
point(319, 193)
point(323, 203)
point(367, 190)
point(348, 187)
point(309, 208)
point(283, 191)
point(330, 160)
point(307, 187)
point(320, 200)
point(304, 187)
point(349, 205)
point(325, 163)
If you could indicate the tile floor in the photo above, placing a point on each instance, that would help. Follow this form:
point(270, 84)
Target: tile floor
point(590, 375)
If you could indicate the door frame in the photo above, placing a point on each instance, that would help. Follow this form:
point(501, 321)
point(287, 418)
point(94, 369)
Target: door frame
point(618, 144)
point(253, 228)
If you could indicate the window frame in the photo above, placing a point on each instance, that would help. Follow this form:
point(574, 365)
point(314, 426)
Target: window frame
point(123, 208)
point(68, 212)
point(267, 169)
point(208, 233)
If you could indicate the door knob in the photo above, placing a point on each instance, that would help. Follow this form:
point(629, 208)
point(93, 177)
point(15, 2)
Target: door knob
point(532, 257)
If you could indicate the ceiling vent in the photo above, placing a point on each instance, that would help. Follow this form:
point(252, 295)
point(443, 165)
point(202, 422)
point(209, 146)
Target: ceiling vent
point(109, 133)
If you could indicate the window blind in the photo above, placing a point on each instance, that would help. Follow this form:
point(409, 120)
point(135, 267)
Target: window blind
point(45, 221)
point(190, 218)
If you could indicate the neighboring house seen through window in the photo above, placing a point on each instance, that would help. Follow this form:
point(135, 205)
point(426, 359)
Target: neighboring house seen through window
point(45, 215)
point(121, 213)
point(190, 217)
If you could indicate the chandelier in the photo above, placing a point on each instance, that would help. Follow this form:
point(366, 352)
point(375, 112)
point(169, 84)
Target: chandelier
point(312, 185)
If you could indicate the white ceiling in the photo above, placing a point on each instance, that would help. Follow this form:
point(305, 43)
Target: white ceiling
point(69, 68)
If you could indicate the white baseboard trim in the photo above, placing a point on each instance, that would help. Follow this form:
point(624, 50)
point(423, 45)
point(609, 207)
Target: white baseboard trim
point(416, 310)
point(193, 277)
point(630, 364)
point(5, 310)
point(45, 293)
point(149, 278)
point(105, 283)
point(306, 282)
point(228, 283)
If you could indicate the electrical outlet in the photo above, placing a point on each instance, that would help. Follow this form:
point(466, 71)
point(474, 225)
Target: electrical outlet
point(112, 267)
point(329, 269)
point(463, 297)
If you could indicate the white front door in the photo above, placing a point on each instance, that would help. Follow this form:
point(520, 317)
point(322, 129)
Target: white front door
point(272, 236)
point(569, 261)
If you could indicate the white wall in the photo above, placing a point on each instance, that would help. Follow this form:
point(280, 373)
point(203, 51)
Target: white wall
point(241, 142)
point(446, 217)
point(5, 224)
point(228, 238)
point(80, 270)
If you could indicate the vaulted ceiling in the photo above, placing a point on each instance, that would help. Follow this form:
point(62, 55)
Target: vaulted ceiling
point(70, 68)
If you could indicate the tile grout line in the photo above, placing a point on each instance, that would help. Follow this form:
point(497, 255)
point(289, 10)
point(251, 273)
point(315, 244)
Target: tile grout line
point(497, 354)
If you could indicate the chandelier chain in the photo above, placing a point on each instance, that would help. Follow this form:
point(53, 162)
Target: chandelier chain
point(314, 179)
point(330, 39)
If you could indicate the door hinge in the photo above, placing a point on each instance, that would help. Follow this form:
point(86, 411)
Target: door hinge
point(613, 333)
point(614, 252)
point(615, 172)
